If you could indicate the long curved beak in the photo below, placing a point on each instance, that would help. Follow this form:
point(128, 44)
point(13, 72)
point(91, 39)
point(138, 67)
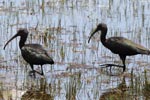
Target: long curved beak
point(10, 40)
point(92, 33)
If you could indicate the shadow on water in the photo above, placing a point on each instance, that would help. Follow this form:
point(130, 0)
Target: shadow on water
point(146, 86)
point(37, 89)
point(40, 91)
point(117, 93)
point(131, 87)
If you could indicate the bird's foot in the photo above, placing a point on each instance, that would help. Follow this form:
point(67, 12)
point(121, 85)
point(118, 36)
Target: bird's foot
point(40, 73)
point(110, 65)
point(32, 73)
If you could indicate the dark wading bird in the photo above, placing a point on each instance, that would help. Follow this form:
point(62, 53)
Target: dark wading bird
point(34, 54)
point(119, 45)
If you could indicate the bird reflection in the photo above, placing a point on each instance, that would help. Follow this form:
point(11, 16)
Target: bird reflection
point(117, 93)
point(39, 93)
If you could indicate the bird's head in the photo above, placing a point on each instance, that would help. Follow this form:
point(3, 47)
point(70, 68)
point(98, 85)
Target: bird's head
point(100, 27)
point(21, 32)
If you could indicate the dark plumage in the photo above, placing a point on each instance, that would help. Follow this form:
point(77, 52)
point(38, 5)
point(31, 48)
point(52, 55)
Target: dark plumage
point(119, 45)
point(34, 54)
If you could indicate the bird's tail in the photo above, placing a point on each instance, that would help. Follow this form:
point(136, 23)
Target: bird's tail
point(51, 61)
point(147, 52)
point(144, 51)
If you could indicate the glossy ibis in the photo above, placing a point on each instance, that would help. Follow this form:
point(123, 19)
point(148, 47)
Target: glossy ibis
point(119, 45)
point(34, 54)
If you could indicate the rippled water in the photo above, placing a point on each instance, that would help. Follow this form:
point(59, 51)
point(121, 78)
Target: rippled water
point(63, 28)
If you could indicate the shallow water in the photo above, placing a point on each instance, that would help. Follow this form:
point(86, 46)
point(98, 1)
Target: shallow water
point(63, 28)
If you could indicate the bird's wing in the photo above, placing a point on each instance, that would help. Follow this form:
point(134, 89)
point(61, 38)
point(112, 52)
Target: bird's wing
point(36, 48)
point(125, 46)
point(35, 52)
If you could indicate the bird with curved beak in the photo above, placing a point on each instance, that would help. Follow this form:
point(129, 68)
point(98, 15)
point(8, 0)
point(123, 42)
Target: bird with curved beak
point(119, 45)
point(34, 54)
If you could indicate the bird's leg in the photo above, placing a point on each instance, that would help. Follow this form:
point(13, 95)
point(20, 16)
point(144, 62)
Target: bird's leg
point(123, 58)
point(42, 70)
point(39, 72)
point(110, 65)
point(32, 68)
point(33, 71)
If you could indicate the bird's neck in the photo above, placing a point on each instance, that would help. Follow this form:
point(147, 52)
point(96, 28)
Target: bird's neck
point(22, 41)
point(103, 36)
